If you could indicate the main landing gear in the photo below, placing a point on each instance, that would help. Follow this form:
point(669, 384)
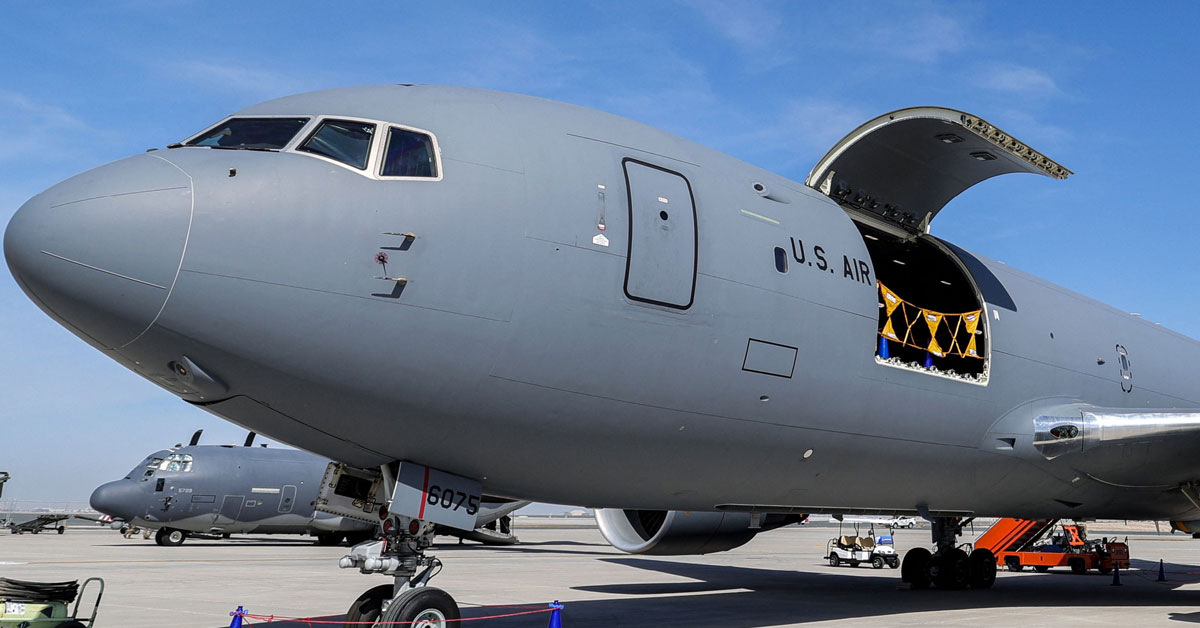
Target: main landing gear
point(949, 567)
point(410, 600)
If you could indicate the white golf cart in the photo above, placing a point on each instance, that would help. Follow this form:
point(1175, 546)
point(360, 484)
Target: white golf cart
point(854, 549)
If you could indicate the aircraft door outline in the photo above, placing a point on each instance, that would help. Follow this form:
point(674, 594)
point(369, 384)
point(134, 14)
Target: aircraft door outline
point(660, 265)
point(287, 498)
point(231, 509)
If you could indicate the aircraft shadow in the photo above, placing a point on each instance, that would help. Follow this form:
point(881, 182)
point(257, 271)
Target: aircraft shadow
point(742, 597)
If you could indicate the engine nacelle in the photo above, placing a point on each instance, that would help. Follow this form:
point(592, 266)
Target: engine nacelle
point(678, 533)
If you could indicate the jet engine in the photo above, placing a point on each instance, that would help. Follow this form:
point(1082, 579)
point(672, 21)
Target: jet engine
point(677, 532)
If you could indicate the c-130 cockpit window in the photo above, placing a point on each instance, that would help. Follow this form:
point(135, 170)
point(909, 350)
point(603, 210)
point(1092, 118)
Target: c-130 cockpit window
point(250, 133)
point(346, 141)
point(176, 462)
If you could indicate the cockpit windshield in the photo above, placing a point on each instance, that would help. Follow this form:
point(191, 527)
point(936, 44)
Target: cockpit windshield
point(346, 141)
point(176, 462)
point(250, 133)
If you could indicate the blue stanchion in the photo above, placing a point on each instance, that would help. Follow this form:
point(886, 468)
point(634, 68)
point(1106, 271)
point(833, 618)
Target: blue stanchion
point(556, 615)
point(884, 351)
point(237, 618)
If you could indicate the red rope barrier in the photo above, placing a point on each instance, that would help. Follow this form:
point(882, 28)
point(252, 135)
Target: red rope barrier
point(310, 621)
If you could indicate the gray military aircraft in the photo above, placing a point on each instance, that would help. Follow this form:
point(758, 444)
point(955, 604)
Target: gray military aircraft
point(223, 490)
point(455, 290)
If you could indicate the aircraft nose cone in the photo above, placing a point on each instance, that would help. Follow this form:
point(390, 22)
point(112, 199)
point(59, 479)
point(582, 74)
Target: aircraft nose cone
point(115, 499)
point(100, 251)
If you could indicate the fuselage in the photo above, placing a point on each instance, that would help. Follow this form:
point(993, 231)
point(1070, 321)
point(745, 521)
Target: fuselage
point(473, 321)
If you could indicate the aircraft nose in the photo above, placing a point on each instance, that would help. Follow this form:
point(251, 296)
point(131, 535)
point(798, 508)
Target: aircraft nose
point(116, 499)
point(100, 251)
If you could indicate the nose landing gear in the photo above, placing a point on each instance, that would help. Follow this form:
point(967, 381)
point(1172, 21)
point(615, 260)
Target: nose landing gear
point(949, 567)
point(409, 600)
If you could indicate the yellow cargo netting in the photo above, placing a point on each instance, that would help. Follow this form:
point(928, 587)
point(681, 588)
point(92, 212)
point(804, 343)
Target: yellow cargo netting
point(941, 334)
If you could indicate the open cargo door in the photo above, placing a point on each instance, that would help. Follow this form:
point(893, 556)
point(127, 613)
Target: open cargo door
point(903, 167)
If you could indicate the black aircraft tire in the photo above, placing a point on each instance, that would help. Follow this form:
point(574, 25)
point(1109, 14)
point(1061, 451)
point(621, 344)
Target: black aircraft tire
point(169, 537)
point(423, 607)
point(982, 567)
point(915, 570)
point(368, 607)
point(953, 570)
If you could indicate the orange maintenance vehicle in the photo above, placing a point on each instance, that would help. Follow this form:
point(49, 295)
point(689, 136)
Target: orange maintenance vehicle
point(1018, 543)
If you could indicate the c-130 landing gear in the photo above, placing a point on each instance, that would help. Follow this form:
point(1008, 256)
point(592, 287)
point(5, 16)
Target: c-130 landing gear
point(409, 600)
point(949, 567)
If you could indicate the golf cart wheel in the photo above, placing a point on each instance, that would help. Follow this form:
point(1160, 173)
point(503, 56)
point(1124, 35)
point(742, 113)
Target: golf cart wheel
point(834, 561)
point(877, 562)
point(893, 562)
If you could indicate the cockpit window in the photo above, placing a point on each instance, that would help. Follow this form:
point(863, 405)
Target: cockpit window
point(176, 462)
point(409, 154)
point(344, 140)
point(250, 133)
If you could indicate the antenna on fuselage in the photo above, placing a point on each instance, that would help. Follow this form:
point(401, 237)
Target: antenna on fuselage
point(249, 439)
point(195, 438)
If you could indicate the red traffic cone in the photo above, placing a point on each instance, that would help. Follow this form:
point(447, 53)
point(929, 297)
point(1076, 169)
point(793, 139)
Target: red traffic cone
point(237, 618)
point(555, 615)
point(1162, 572)
point(1116, 575)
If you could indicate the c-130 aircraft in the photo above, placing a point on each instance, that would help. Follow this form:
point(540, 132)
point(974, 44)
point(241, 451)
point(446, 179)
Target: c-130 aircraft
point(454, 290)
point(224, 490)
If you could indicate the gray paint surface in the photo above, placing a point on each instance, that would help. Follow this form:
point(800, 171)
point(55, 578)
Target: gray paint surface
point(513, 355)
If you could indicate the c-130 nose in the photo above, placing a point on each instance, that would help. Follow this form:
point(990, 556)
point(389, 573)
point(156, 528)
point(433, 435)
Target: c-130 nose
point(100, 251)
point(118, 500)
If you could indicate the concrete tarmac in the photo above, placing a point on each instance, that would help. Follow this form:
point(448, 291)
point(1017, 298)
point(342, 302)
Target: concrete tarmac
point(778, 579)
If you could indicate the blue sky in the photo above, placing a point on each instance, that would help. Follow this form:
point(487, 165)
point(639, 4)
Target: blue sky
point(1106, 88)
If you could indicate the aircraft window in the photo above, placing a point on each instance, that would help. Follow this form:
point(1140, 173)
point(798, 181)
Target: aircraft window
point(409, 154)
point(250, 133)
point(344, 140)
point(176, 462)
point(781, 260)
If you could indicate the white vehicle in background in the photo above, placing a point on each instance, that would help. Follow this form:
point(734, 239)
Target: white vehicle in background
point(854, 549)
point(902, 522)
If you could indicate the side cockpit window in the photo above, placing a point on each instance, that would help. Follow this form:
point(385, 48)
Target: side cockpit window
point(346, 141)
point(409, 154)
point(250, 133)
